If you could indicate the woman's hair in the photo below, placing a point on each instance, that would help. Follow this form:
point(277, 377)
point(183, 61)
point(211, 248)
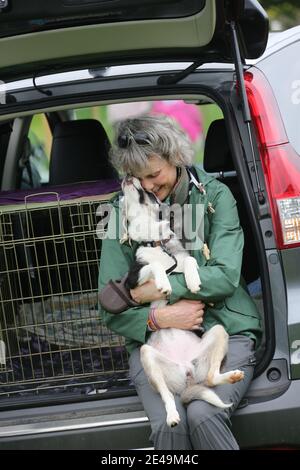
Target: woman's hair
point(139, 138)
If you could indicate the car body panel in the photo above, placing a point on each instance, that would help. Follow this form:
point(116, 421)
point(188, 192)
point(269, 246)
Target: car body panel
point(120, 423)
point(290, 261)
point(42, 430)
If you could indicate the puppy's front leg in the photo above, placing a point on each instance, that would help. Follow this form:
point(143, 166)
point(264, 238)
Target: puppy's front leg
point(156, 271)
point(191, 274)
point(160, 277)
point(152, 367)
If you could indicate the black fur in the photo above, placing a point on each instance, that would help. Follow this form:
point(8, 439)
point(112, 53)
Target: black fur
point(142, 196)
point(133, 275)
point(152, 197)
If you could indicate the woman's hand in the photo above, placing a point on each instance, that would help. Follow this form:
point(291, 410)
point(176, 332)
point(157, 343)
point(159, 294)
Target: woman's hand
point(184, 314)
point(146, 293)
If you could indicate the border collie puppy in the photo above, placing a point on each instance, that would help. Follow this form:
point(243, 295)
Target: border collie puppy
point(175, 361)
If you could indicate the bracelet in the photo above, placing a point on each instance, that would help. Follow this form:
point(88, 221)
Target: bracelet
point(152, 322)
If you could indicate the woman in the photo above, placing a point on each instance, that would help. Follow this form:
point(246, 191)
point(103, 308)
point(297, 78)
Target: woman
point(158, 153)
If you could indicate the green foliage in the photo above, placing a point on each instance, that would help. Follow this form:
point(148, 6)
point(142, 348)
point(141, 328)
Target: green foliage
point(286, 14)
point(278, 3)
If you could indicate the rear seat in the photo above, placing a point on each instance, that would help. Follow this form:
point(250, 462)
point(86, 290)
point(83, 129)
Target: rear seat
point(218, 159)
point(80, 153)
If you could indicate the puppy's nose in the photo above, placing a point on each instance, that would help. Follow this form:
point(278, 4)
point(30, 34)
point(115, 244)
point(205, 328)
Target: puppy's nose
point(128, 180)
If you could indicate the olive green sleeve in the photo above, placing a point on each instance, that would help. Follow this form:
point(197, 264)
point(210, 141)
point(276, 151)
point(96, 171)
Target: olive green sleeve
point(115, 261)
point(220, 275)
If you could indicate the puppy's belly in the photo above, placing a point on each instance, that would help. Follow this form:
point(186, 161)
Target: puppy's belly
point(180, 346)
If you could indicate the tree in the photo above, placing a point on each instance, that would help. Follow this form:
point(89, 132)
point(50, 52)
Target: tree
point(282, 14)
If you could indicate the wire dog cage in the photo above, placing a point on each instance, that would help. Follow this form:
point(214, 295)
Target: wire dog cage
point(51, 335)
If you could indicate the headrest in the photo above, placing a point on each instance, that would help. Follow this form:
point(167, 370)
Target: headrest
point(80, 153)
point(217, 154)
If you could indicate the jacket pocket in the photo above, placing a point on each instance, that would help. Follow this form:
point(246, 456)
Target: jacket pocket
point(242, 303)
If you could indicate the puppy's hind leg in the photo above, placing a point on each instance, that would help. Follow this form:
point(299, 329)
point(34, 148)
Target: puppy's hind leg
point(153, 370)
point(218, 352)
point(211, 351)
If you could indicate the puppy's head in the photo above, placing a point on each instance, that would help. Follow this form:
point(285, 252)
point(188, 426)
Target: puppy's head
point(135, 194)
point(140, 208)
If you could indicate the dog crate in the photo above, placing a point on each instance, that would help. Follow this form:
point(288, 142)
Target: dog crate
point(52, 339)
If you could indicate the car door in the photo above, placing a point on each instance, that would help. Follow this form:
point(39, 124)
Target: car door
point(35, 36)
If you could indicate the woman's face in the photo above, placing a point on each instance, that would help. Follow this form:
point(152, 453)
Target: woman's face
point(159, 177)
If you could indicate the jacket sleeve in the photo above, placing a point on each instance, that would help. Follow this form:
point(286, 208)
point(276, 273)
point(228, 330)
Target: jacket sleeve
point(220, 275)
point(114, 263)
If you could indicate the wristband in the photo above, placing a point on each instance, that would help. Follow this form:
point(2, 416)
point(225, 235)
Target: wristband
point(152, 323)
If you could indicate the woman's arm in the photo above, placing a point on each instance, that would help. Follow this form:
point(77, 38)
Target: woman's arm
point(115, 261)
point(220, 276)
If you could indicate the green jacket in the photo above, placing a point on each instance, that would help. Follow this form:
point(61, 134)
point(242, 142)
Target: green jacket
point(220, 275)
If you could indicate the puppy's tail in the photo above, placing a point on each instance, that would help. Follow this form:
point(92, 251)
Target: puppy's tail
point(200, 392)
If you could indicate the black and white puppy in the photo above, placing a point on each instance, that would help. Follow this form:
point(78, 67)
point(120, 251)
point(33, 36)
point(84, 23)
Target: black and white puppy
point(160, 251)
point(175, 361)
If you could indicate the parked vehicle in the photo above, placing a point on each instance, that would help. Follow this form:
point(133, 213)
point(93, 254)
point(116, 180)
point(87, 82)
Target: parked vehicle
point(63, 375)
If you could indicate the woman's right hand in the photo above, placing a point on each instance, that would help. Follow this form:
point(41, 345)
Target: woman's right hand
point(184, 314)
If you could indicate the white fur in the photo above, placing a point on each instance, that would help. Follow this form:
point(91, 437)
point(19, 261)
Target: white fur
point(175, 361)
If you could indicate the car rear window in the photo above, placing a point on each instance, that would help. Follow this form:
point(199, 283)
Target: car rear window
point(27, 17)
point(283, 72)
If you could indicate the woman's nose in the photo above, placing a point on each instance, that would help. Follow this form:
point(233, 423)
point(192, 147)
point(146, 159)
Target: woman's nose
point(147, 184)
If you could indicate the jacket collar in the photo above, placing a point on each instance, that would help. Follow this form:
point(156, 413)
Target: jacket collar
point(183, 186)
point(181, 189)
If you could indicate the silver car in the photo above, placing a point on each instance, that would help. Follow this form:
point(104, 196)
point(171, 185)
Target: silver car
point(69, 71)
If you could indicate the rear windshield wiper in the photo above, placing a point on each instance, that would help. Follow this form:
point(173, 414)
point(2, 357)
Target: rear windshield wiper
point(172, 78)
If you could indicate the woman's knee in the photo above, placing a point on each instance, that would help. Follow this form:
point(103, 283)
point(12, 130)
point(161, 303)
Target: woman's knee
point(199, 412)
point(210, 427)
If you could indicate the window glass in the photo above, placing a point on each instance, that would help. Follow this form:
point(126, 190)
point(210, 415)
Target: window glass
point(283, 72)
point(194, 119)
point(39, 147)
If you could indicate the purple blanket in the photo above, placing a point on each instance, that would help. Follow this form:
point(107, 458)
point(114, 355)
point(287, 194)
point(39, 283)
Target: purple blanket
point(65, 192)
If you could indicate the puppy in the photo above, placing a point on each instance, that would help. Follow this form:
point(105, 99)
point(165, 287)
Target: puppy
point(175, 361)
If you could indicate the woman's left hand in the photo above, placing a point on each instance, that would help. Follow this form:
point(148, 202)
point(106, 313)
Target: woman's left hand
point(146, 293)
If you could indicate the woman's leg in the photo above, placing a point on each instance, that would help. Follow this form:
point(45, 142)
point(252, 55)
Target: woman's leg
point(162, 436)
point(210, 427)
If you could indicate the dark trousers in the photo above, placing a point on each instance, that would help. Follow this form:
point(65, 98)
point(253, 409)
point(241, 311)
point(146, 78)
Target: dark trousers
point(202, 426)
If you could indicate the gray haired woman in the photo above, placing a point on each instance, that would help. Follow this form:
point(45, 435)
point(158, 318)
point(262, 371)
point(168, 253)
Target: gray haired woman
point(155, 150)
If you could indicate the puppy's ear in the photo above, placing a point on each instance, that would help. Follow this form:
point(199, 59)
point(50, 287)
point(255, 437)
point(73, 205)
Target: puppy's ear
point(124, 226)
point(141, 196)
point(123, 183)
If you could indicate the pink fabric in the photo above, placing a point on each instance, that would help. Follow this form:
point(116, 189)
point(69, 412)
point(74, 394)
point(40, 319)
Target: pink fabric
point(187, 115)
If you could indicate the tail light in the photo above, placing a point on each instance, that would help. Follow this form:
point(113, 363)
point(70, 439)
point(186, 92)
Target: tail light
point(281, 163)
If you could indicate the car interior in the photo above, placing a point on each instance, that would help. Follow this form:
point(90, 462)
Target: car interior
point(55, 173)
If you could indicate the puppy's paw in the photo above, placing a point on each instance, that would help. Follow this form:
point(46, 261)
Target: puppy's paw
point(173, 419)
point(164, 286)
point(235, 376)
point(192, 279)
point(194, 287)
